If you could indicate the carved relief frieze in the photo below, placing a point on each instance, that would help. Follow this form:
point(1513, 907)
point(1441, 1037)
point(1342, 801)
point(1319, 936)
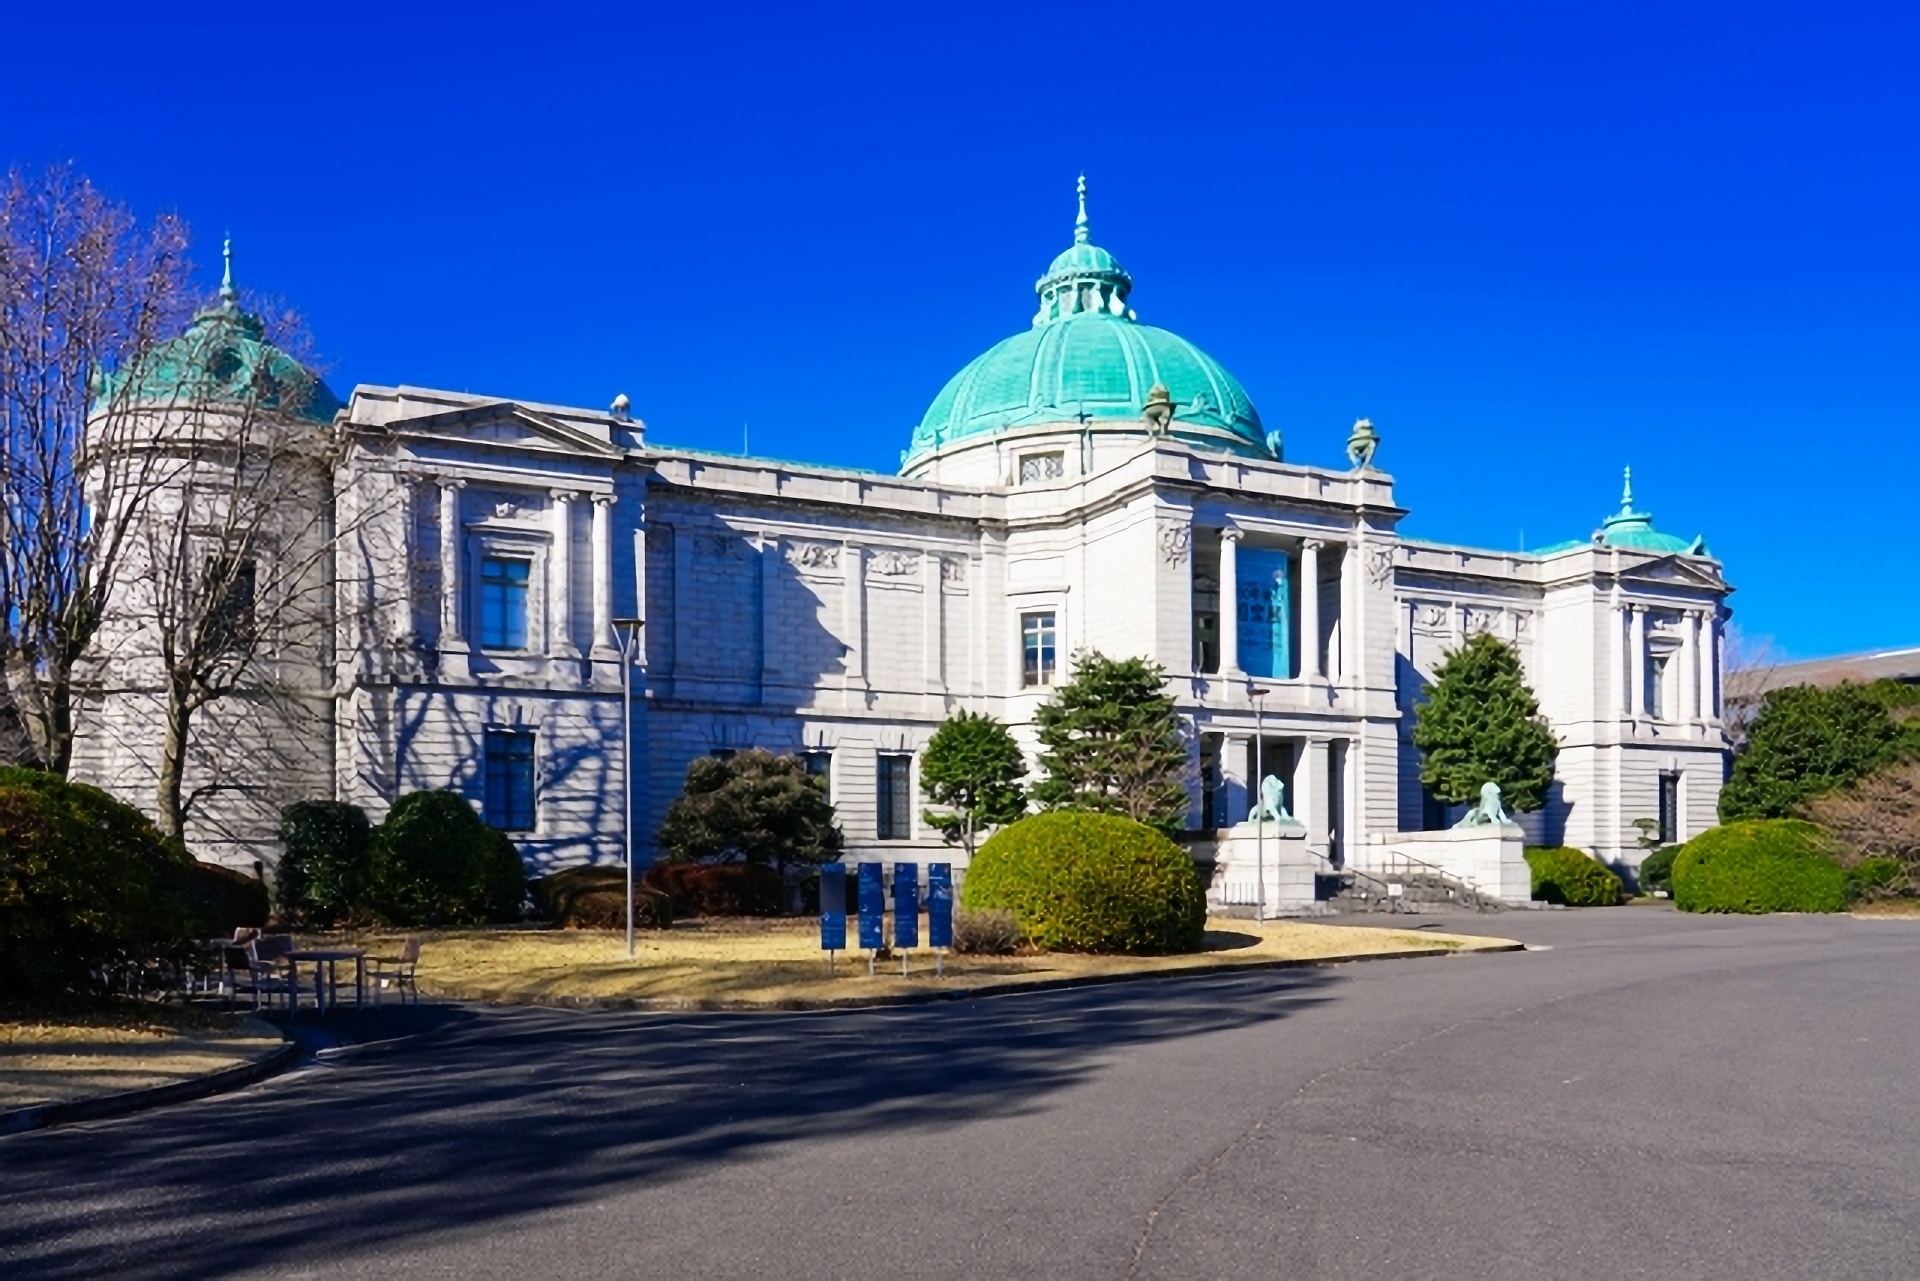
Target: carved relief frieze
point(819, 557)
point(953, 571)
point(1482, 620)
point(1433, 618)
point(1176, 541)
point(1522, 626)
point(511, 504)
point(1379, 566)
point(893, 562)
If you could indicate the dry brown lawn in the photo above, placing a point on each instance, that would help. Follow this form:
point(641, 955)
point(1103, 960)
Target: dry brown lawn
point(778, 964)
point(61, 1058)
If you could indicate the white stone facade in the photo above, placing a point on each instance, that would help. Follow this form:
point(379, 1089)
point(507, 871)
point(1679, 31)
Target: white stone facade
point(816, 610)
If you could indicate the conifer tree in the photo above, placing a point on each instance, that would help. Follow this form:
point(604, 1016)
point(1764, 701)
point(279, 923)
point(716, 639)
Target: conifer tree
point(973, 767)
point(1481, 724)
point(1112, 742)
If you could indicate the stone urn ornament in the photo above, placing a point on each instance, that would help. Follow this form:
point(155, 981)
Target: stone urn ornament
point(1362, 443)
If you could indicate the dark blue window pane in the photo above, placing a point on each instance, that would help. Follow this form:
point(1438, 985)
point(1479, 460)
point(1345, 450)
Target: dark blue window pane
point(503, 602)
point(510, 782)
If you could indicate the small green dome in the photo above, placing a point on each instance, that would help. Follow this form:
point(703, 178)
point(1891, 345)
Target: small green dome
point(222, 359)
point(1634, 530)
point(1088, 359)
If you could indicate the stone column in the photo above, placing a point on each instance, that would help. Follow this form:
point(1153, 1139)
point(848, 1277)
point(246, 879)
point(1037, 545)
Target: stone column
point(1229, 602)
point(640, 587)
point(408, 631)
point(1353, 588)
point(1236, 765)
point(603, 576)
point(453, 644)
point(1637, 661)
point(560, 619)
point(853, 623)
point(770, 554)
point(1689, 710)
point(1310, 792)
point(933, 627)
point(1310, 608)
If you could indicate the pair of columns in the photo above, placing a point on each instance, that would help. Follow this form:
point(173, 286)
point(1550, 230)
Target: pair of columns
point(560, 572)
point(1310, 667)
point(1697, 666)
point(1307, 792)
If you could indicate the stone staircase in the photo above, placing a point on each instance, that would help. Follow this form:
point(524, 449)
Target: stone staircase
point(1422, 889)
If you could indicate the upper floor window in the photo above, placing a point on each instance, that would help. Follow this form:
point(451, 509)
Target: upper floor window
point(1668, 830)
point(1037, 648)
point(893, 797)
point(503, 602)
point(1039, 467)
point(230, 600)
point(820, 768)
point(510, 790)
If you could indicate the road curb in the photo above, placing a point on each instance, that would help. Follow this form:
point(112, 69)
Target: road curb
point(41, 1116)
point(794, 1005)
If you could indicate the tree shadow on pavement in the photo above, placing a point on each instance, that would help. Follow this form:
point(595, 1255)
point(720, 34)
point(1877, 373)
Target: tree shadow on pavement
point(505, 1112)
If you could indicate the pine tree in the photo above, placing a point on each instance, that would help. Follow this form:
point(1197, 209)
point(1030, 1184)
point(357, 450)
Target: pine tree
point(1482, 724)
point(1112, 742)
point(754, 808)
point(973, 767)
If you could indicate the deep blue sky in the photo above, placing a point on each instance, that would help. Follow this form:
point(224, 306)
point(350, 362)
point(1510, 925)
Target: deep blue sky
point(1532, 245)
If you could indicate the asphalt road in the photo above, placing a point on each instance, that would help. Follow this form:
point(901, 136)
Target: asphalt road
point(1656, 1095)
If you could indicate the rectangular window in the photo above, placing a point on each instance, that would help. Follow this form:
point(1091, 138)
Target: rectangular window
point(820, 769)
point(1669, 808)
point(230, 600)
point(509, 802)
point(893, 797)
point(503, 602)
point(1206, 641)
point(1036, 648)
point(1041, 467)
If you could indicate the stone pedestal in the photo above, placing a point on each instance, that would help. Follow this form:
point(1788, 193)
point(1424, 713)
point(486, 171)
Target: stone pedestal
point(1288, 870)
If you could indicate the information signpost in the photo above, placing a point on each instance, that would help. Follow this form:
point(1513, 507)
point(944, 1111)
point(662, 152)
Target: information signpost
point(906, 910)
point(939, 913)
point(833, 911)
point(873, 908)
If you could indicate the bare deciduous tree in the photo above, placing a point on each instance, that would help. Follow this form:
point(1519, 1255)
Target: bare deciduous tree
point(86, 290)
point(1748, 667)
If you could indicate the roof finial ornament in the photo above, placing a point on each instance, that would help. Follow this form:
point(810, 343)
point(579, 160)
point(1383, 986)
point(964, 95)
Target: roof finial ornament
point(1080, 223)
point(1626, 492)
point(227, 292)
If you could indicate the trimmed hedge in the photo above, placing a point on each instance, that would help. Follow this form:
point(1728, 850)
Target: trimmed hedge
point(1656, 869)
point(1572, 877)
point(595, 898)
point(1761, 865)
point(325, 875)
point(221, 900)
point(89, 891)
point(1084, 882)
point(719, 889)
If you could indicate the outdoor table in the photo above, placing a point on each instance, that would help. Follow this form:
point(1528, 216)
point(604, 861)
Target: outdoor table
point(331, 957)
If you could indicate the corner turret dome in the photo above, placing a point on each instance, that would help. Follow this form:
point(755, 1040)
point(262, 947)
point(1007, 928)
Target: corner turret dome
point(1087, 360)
point(222, 359)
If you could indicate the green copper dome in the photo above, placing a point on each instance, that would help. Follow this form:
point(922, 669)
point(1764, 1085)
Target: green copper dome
point(1088, 359)
point(222, 359)
point(1634, 530)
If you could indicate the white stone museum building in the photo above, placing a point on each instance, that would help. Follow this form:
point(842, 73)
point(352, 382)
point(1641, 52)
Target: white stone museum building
point(1092, 482)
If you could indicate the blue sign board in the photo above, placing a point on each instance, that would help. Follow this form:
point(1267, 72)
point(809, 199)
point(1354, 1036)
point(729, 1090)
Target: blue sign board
point(873, 907)
point(939, 905)
point(1263, 613)
point(906, 905)
point(833, 907)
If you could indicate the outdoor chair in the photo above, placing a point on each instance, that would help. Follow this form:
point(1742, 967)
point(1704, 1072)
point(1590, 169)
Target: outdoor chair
point(397, 970)
point(262, 978)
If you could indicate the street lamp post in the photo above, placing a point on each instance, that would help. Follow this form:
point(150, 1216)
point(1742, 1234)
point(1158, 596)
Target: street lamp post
point(1256, 693)
point(626, 638)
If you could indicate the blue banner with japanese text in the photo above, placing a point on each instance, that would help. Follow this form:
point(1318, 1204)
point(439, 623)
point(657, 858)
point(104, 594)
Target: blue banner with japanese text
point(873, 908)
point(833, 907)
point(939, 905)
point(1264, 612)
point(906, 905)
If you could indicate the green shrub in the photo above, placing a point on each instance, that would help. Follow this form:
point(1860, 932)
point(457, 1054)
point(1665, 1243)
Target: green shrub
point(1761, 865)
point(1572, 877)
point(89, 892)
point(595, 898)
point(325, 875)
point(435, 863)
point(1085, 882)
point(719, 889)
point(1656, 869)
point(221, 900)
point(1878, 877)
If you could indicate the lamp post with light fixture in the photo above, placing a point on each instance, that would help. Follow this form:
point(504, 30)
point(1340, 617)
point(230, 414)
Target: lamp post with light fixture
point(626, 638)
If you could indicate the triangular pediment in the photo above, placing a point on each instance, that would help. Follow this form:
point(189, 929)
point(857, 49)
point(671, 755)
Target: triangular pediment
point(506, 425)
point(1684, 571)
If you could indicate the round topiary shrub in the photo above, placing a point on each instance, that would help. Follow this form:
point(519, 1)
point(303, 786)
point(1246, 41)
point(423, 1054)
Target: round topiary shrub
point(1761, 865)
point(1084, 882)
point(89, 891)
point(325, 875)
point(435, 863)
point(1572, 877)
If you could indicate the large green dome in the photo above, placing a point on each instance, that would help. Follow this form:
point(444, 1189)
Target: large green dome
point(1088, 359)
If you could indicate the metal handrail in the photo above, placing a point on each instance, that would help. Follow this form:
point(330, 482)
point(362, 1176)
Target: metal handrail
point(1406, 864)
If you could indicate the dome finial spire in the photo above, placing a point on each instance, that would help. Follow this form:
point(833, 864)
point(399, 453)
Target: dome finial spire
point(227, 292)
point(1626, 491)
point(1080, 223)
